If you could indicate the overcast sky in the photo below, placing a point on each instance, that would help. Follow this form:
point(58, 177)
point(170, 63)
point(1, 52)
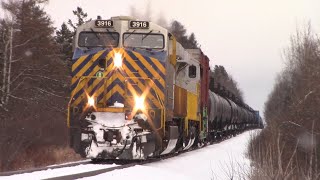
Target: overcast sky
point(247, 37)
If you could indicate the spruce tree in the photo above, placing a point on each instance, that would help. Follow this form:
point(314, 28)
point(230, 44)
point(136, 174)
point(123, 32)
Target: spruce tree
point(64, 36)
point(179, 32)
point(64, 39)
point(81, 18)
point(192, 42)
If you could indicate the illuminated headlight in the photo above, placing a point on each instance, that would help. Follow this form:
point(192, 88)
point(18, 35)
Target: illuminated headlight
point(91, 101)
point(139, 103)
point(117, 60)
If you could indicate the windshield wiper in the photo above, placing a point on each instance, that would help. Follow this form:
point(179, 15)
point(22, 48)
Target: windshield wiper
point(109, 32)
point(129, 35)
point(95, 33)
point(147, 35)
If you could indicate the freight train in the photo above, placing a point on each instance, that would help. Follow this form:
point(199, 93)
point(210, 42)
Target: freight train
point(137, 93)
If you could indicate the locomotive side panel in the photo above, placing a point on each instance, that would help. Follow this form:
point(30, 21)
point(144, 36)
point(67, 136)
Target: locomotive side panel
point(193, 106)
point(180, 102)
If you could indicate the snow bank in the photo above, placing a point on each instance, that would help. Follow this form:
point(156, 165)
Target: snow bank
point(50, 173)
point(141, 172)
point(219, 161)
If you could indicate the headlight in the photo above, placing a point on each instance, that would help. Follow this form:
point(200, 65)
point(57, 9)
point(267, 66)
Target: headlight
point(117, 60)
point(91, 101)
point(139, 103)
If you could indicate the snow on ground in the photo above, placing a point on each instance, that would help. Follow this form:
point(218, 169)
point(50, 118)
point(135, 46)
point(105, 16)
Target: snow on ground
point(81, 161)
point(50, 173)
point(219, 161)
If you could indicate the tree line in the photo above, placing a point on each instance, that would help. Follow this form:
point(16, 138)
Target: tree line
point(288, 148)
point(35, 65)
point(222, 82)
point(34, 88)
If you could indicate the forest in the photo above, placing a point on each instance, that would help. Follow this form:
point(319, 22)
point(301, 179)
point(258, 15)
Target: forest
point(35, 62)
point(288, 148)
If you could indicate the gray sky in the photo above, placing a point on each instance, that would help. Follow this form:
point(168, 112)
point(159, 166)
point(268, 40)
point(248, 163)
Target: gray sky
point(247, 37)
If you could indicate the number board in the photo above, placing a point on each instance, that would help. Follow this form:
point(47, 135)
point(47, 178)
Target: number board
point(104, 23)
point(139, 24)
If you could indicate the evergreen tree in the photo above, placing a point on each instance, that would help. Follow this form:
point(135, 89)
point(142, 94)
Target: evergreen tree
point(34, 28)
point(81, 18)
point(179, 32)
point(64, 39)
point(192, 42)
point(33, 83)
point(64, 36)
point(220, 77)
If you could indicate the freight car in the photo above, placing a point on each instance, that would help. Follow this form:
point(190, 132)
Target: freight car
point(137, 93)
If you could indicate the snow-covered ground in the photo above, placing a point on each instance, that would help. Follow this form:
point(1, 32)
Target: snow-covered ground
point(218, 161)
point(50, 173)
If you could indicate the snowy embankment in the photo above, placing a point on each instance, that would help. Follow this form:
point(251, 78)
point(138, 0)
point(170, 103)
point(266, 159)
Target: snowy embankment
point(217, 161)
point(50, 173)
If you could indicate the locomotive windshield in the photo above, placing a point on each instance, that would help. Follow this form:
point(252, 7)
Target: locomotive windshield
point(98, 39)
point(143, 40)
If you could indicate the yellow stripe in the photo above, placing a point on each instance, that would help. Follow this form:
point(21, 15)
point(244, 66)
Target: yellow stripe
point(154, 73)
point(173, 56)
point(159, 65)
point(95, 82)
point(142, 87)
point(119, 76)
point(78, 62)
point(86, 67)
point(82, 84)
point(118, 89)
point(142, 73)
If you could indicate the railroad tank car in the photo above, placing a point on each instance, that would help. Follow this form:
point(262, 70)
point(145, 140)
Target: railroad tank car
point(137, 93)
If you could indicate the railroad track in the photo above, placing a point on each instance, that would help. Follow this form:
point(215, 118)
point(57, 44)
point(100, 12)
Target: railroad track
point(121, 165)
point(124, 164)
point(9, 173)
point(129, 164)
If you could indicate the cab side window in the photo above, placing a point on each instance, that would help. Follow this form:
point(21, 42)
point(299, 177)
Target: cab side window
point(192, 71)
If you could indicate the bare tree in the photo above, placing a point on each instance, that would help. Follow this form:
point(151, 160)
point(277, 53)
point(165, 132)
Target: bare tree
point(34, 87)
point(292, 114)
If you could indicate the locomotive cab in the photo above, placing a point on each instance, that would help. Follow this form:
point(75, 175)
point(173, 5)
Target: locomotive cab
point(119, 32)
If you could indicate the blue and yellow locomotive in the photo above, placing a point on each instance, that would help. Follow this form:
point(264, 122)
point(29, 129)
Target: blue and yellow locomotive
point(137, 93)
